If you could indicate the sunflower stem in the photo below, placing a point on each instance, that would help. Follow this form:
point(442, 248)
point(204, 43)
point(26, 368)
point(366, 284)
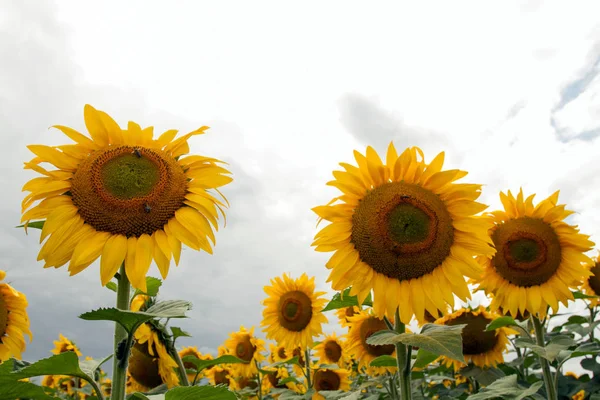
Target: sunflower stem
point(548, 381)
point(592, 318)
point(401, 360)
point(121, 340)
point(183, 378)
point(307, 362)
point(259, 380)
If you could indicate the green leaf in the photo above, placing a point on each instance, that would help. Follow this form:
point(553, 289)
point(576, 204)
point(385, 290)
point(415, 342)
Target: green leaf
point(586, 349)
point(178, 332)
point(384, 361)
point(34, 224)
point(112, 286)
point(170, 309)
point(152, 286)
point(580, 295)
point(500, 322)
point(66, 363)
point(202, 364)
point(506, 388)
point(291, 361)
point(577, 319)
point(485, 376)
point(91, 366)
point(343, 300)
point(442, 340)
point(424, 358)
point(199, 392)
point(23, 390)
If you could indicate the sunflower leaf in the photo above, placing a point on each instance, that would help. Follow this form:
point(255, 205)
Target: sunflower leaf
point(508, 321)
point(384, 361)
point(343, 300)
point(112, 286)
point(294, 360)
point(152, 286)
point(170, 309)
point(424, 358)
point(579, 295)
point(91, 366)
point(23, 390)
point(485, 376)
point(34, 224)
point(506, 388)
point(178, 332)
point(202, 364)
point(198, 392)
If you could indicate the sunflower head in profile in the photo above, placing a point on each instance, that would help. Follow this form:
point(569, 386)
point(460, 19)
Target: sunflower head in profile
point(14, 322)
point(539, 256)
point(330, 379)
point(344, 313)
point(591, 284)
point(482, 348)
point(124, 196)
point(405, 230)
point(362, 326)
point(332, 350)
point(193, 351)
point(64, 344)
point(292, 315)
point(245, 346)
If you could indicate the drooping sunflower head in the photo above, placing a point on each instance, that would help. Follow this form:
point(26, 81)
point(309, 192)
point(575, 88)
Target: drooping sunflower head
point(344, 313)
point(14, 322)
point(482, 348)
point(245, 346)
point(362, 326)
point(330, 379)
point(124, 196)
point(591, 284)
point(405, 230)
point(332, 350)
point(539, 256)
point(64, 344)
point(150, 364)
point(292, 315)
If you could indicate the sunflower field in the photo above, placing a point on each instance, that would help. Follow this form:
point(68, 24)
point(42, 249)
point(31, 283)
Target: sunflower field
point(409, 245)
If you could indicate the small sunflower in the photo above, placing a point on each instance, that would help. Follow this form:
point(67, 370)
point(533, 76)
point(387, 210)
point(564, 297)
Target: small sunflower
point(332, 350)
point(248, 348)
point(14, 322)
point(299, 368)
point(405, 230)
point(330, 379)
point(591, 284)
point(362, 326)
point(344, 313)
point(220, 375)
point(192, 351)
point(63, 344)
point(539, 256)
point(277, 353)
point(123, 196)
point(243, 382)
point(106, 387)
point(272, 379)
point(482, 348)
point(292, 314)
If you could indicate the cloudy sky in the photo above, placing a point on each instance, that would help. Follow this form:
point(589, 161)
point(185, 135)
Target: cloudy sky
point(510, 90)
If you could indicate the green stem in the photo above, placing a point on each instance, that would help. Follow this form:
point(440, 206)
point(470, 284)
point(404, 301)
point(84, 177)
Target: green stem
point(519, 357)
point(97, 389)
point(259, 380)
point(121, 340)
point(592, 318)
point(548, 381)
point(401, 361)
point(183, 378)
point(307, 362)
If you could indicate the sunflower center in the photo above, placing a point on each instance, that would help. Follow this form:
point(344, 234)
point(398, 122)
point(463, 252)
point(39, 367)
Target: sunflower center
point(529, 252)
point(369, 327)
point(245, 350)
point(402, 230)
point(143, 367)
point(333, 350)
point(295, 310)
point(349, 312)
point(221, 377)
point(326, 380)
point(281, 353)
point(298, 353)
point(474, 336)
point(274, 380)
point(593, 281)
point(128, 190)
point(3, 317)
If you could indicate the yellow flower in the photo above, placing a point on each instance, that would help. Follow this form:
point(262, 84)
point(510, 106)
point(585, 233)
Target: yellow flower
point(405, 230)
point(193, 351)
point(278, 353)
point(248, 348)
point(63, 344)
point(538, 256)
point(362, 326)
point(123, 196)
point(273, 380)
point(591, 284)
point(332, 350)
point(220, 375)
point(330, 379)
point(292, 313)
point(14, 322)
point(482, 348)
point(344, 313)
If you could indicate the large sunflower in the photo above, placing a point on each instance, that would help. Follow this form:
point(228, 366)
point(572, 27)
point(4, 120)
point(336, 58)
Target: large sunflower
point(539, 256)
point(362, 326)
point(482, 348)
point(332, 350)
point(292, 314)
point(123, 196)
point(330, 379)
point(14, 322)
point(405, 230)
point(591, 284)
point(65, 344)
point(248, 348)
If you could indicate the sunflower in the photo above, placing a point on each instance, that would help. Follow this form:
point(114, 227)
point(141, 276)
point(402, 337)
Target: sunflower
point(192, 351)
point(106, 387)
point(332, 350)
point(63, 344)
point(539, 256)
point(272, 379)
point(591, 285)
point(14, 322)
point(344, 313)
point(405, 230)
point(292, 314)
point(277, 353)
point(299, 369)
point(330, 379)
point(482, 348)
point(65, 384)
point(220, 375)
point(248, 348)
point(362, 326)
point(123, 196)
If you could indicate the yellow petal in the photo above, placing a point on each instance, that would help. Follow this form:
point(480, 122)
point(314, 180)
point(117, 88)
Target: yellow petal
point(113, 255)
point(95, 125)
point(143, 257)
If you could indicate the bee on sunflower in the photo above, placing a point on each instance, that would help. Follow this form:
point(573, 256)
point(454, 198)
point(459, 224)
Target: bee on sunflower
point(124, 196)
point(14, 322)
point(404, 230)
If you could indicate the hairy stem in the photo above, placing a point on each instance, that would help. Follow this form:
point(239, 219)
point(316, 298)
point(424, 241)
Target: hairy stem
point(121, 341)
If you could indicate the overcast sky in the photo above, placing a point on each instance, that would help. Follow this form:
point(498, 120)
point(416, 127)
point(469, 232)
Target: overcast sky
point(510, 90)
